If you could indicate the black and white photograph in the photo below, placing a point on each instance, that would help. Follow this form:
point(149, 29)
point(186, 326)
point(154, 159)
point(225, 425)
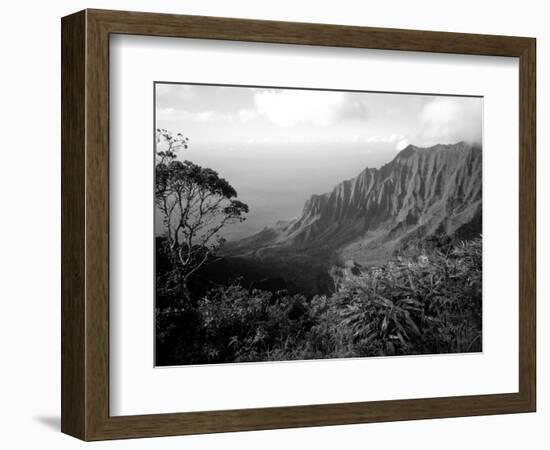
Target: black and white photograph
point(302, 224)
point(273, 225)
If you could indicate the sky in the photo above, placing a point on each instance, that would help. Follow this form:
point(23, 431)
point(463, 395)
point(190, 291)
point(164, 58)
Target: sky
point(277, 146)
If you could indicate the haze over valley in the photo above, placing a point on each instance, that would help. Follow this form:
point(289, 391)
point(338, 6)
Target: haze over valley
point(307, 224)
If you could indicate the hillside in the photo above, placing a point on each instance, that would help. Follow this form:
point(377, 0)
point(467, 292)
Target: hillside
point(422, 192)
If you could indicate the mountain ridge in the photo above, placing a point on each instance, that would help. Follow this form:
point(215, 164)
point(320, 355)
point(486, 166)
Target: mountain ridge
point(437, 189)
point(420, 194)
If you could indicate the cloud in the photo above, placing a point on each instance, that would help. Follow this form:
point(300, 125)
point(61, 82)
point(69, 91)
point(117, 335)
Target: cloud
point(246, 115)
point(243, 115)
point(211, 116)
point(446, 120)
point(439, 120)
point(384, 139)
point(170, 94)
point(290, 107)
point(263, 140)
point(354, 108)
point(401, 144)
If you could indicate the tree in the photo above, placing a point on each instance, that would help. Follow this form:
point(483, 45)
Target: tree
point(196, 203)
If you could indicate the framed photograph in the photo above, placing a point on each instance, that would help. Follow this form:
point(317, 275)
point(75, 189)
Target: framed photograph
point(272, 225)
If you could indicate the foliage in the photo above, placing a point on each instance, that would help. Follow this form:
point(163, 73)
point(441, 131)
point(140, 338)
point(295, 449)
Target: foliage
point(251, 326)
point(427, 303)
point(195, 203)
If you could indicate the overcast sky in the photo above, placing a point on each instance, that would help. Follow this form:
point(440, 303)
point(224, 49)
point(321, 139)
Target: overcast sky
point(279, 146)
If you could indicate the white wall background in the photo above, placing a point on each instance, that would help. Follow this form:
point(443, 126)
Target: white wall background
point(30, 221)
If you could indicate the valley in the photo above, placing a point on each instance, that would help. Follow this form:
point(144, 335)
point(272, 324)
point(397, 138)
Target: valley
point(366, 220)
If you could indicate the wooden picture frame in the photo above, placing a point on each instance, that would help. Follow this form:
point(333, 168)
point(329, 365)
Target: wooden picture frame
point(85, 224)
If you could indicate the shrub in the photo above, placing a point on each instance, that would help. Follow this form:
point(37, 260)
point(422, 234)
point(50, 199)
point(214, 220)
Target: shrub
point(252, 326)
point(428, 303)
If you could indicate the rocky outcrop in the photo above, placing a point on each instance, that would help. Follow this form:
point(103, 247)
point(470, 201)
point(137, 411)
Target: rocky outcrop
point(421, 192)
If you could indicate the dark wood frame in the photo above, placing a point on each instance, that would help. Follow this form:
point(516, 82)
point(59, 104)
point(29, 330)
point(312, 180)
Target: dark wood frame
point(85, 224)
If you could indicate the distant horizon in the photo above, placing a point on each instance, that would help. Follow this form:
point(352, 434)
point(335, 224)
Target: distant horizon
point(277, 147)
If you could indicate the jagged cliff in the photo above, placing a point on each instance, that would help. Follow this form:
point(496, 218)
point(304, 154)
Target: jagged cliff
point(421, 192)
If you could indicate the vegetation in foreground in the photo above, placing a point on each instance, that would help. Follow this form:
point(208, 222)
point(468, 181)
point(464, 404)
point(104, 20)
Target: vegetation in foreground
point(424, 303)
point(428, 300)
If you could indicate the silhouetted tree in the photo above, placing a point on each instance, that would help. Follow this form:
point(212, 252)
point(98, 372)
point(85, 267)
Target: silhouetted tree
point(196, 203)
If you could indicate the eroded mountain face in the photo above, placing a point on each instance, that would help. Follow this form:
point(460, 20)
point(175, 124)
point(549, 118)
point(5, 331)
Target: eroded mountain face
point(422, 192)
